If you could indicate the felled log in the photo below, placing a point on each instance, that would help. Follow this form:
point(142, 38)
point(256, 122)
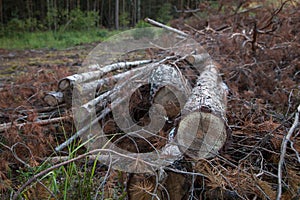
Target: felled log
point(202, 131)
point(197, 59)
point(86, 110)
point(97, 86)
point(169, 88)
point(119, 96)
point(94, 75)
point(54, 98)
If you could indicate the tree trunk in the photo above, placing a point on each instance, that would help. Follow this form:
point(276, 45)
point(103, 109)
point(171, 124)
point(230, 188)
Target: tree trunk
point(117, 15)
point(138, 10)
point(1, 14)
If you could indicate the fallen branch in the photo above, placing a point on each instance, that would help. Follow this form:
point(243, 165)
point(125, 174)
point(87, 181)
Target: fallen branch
point(197, 59)
point(6, 126)
point(99, 155)
point(153, 22)
point(117, 100)
point(91, 87)
point(283, 152)
point(187, 11)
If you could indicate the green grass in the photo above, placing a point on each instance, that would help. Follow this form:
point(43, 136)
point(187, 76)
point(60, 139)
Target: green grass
point(50, 39)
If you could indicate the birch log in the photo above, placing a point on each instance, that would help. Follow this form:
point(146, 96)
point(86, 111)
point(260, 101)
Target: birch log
point(169, 88)
point(86, 110)
point(97, 85)
point(94, 75)
point(202, 129)
point(153, 22)
point(54, 98)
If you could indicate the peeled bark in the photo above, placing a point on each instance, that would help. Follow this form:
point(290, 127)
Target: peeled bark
point(202, 129)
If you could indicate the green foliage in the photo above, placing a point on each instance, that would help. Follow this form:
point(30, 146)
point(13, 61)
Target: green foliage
point(83, 20)
point(124, 19)
point(15, 25)
point(164, 14)
point(49, 39)
point(142, 24)
point(76, 20)
point(51, 18)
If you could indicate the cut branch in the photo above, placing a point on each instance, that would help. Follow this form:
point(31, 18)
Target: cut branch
point(197, 59)
point(187, 11)
point(85, 110)
point(90, 87)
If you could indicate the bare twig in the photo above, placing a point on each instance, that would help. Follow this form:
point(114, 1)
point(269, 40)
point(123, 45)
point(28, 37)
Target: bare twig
point(283, 152)
point(17, 157)
point(153, 22)
point(186, 11)
point(6, 126)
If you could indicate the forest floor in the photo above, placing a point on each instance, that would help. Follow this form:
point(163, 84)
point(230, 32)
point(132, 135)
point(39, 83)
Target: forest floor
point(259, 59)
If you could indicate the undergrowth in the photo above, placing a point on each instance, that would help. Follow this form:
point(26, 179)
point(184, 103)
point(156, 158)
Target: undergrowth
point(50, 39)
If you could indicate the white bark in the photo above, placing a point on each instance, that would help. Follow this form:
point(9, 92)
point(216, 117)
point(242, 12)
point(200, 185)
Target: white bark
point(95, 75)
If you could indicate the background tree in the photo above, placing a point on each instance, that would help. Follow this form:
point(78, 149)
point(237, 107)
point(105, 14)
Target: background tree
point(30, 15)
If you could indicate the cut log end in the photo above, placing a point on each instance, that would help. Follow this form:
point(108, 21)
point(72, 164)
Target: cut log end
point(64, 84)
point(53, 98)
point(201, 135)
point(197, 59)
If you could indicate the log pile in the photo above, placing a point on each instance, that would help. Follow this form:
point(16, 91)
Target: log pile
point(196, 109)
point(174, 106)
